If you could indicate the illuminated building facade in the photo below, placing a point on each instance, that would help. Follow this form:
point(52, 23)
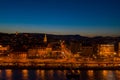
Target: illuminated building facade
point(87, 50)
point(106, 50)
point(3, 49)
point(119, 48)
point(39, 52)
point(51, 50)
point(18, 55)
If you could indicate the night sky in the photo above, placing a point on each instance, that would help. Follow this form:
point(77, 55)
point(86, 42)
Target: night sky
point(83, 17)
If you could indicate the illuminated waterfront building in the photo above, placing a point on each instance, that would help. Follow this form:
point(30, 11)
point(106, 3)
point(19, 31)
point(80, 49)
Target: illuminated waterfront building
point(49, 50)
point(106, 50)
point(3, 49)
point(18, 55)
point(87, 50)
point(119, 48)
point(38, 52)
point(41, 51)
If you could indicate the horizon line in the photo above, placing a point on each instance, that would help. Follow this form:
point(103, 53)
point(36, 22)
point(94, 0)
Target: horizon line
point(58, 34)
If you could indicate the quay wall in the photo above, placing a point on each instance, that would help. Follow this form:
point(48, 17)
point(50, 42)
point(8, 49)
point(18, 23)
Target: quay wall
point(61, 66)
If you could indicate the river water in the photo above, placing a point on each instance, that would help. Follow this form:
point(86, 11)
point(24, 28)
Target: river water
point(9, 74)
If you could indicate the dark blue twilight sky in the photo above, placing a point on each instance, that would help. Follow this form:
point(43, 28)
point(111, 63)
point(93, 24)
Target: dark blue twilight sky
point(84, 17)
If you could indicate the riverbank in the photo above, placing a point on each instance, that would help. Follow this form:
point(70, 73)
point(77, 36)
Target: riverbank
point(61, 67)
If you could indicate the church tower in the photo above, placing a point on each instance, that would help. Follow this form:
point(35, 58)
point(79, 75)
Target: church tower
point(45, 39)
point(16, 33)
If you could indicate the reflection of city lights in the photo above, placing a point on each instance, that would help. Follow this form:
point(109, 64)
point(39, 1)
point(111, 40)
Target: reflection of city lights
point(78, 71)
point(59, 72)
point(110, 75)
point(105, 72)
point(62, 73)
point(38, 73)
point(42, 72)
point(90, 73)
point(65, 72)
point(118, 73)
point(50, 72)
point(0, 73)
point(9, 74)
point(25, 74)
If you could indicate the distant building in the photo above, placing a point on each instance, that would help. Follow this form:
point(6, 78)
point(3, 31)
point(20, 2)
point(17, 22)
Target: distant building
point(87, 50)
point(38, 52)
point(106, 50)
point(51, 50)
point(18, 55)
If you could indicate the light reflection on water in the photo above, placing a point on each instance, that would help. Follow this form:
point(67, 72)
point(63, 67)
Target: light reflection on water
point(25, 74)
point(0, 73)
point(9, 74)
point(111, 75)
point(90, 74)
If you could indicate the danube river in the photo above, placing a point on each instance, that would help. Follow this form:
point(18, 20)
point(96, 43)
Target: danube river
point(9, 74)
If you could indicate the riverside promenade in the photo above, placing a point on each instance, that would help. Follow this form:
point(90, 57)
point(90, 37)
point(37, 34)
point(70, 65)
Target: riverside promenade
point(58, 64)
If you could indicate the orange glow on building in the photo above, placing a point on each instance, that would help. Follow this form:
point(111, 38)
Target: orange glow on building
point(2, 49)
point(106, 50)
point(39, 51)
point(119, 48)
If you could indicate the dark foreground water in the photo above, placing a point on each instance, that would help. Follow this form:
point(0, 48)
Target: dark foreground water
point(9, 74)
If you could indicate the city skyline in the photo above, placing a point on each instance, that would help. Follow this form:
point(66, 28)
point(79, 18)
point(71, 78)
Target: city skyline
point(83, 17)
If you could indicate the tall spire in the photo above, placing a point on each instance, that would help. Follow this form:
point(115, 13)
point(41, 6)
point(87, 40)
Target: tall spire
point(16, 33)
point(45, 38)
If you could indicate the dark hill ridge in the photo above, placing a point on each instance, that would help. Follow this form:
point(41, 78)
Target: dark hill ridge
point(24, 41)
point(4, 37)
